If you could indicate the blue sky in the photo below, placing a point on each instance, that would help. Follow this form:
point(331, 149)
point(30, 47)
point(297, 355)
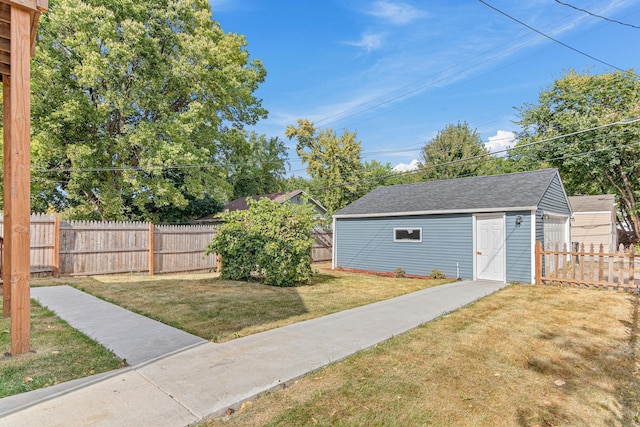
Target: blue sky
point(397, 72)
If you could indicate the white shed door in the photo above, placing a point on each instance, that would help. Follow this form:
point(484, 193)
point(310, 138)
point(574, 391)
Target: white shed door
point(554, 232)
point(490, 248)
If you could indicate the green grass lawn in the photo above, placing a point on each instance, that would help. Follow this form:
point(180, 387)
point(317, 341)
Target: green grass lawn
point(58, 353)
point(525, 356)
point(220, 310)
point(198, 303)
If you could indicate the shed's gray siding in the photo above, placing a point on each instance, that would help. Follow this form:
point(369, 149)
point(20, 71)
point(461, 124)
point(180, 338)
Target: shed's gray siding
point(519, 247)
point(553, 201)
point(367, 244)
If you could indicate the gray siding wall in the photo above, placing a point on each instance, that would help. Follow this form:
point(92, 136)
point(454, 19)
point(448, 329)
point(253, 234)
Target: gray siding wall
point(367, 244)
point(519, 247)
point(553, 201)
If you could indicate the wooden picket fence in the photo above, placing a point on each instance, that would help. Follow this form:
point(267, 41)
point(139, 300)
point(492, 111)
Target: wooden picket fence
point(588, 267)
point(86, 248)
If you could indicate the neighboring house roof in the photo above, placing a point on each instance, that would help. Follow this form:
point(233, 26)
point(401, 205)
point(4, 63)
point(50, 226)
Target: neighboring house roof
point(600, 203)
point(514, 191)
point(241, 203)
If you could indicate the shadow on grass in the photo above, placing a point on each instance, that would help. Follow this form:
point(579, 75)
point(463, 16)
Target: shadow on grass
point(614, 370)
point(211, 308)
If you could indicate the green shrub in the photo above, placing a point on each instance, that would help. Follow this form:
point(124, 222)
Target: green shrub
point(268, 243)
point(399, 273)
point(437, 274)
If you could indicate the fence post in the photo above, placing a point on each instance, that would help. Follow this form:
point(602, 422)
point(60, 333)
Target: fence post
point(601, 263)
point(56, 246)
point(151, 250)
point(632, 266)
point(538, 263)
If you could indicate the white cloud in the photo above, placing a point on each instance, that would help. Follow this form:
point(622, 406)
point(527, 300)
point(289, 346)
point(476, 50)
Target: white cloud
point(368, 41)
point(501, 140)
point(395, 12)
point(403, 167)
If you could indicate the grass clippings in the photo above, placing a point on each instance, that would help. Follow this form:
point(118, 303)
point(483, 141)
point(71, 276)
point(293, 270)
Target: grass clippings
point(58, 353)
point(220, 310)
point(525, 356)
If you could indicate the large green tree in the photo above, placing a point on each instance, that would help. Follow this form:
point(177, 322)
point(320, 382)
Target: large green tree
point(132, 105)
point(456, 151)
point(334, 162)
point(257, 165)
point(603, 160)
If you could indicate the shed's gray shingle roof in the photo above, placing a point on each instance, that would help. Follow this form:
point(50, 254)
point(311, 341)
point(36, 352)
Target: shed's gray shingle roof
point(481, 194)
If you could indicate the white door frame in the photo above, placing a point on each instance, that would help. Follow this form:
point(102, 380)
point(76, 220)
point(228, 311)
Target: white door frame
point(502, 217)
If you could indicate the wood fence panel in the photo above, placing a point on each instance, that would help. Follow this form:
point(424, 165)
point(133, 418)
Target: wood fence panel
point(593, 268)
point(181, 248)
point(323, 246)
point(92, 247)
point(42, 237)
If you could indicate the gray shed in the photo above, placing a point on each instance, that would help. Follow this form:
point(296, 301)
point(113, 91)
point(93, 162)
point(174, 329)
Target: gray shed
point(471, 228)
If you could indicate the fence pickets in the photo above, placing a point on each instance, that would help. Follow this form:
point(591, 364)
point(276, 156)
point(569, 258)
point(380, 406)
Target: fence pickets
point(587, 266)
point(85, 248)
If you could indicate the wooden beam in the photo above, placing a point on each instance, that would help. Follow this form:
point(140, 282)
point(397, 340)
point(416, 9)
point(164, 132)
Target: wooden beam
point(28, 5)
point(5, 30)
point(6, 255)
point(5, 13)
point(35, 18)
point(20, 187)
point(5, 45)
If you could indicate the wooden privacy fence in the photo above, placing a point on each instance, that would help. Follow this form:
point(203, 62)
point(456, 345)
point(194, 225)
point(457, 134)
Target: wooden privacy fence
point(588, 267)
point(323, 246)
point(85, 248)
point(72, 248)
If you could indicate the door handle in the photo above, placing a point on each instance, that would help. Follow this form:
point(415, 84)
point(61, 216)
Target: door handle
point(479, 253)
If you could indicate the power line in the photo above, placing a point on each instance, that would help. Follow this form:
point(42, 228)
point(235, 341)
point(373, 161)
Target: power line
point(597, 16)
point(397, 174)
point(218, 164)
point(363, 108)
point(548, 36)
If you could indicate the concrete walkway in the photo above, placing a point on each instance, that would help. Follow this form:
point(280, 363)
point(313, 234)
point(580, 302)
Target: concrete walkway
point(206, 378)
point(132, 337)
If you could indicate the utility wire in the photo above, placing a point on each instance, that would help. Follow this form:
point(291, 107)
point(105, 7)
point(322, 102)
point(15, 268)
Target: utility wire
point(548, 36)
point(218, 164)
point(397, 174)
point(597, 16)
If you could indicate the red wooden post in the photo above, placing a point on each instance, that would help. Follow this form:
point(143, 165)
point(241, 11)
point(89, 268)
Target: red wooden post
point(20, 187)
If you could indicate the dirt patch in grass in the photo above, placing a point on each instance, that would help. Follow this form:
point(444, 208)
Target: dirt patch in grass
point(59, 353)
point(526, 356)
point(220, 310)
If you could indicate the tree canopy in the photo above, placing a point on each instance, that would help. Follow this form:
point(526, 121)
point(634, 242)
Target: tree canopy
point(603, 160)
point(335, 163)
point(136, 107)
point(456, 151)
